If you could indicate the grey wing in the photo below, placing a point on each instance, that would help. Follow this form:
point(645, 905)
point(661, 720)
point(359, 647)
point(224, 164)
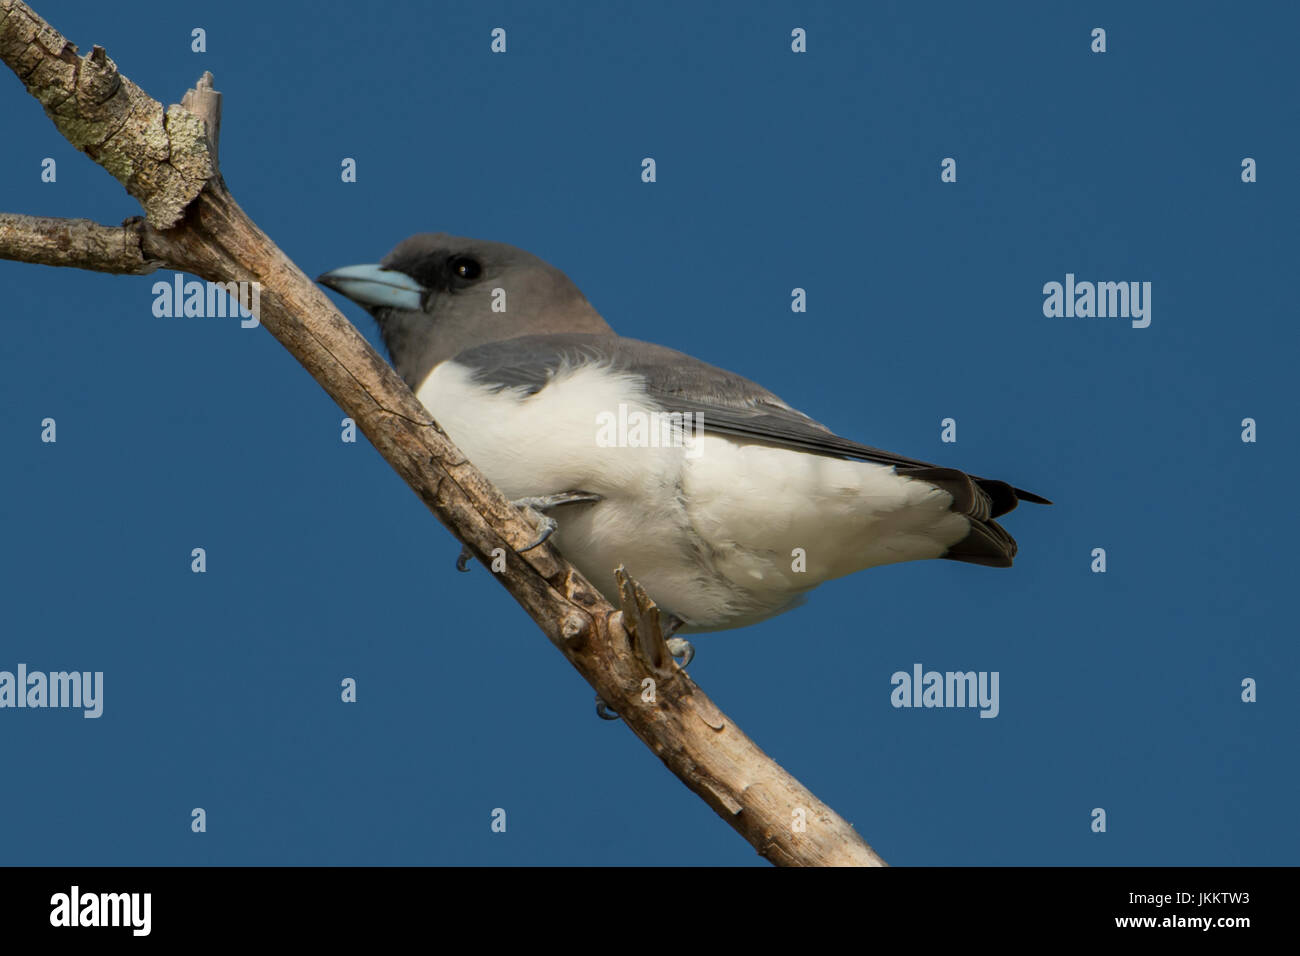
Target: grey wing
point(726, 403)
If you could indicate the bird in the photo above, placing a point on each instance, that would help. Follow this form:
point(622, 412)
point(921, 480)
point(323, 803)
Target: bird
point(728, 507)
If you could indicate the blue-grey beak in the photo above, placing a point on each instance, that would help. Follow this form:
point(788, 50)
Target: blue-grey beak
point(374, 287)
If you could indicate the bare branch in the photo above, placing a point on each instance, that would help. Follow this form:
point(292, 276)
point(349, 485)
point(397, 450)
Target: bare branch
point(79, 243)
point(161, 158)
point(195, 225)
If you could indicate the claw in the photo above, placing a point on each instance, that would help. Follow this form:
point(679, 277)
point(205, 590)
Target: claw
point(677, 646)
point(546, 528)
point(680, 647)
point(462, 562)
point(546, 525)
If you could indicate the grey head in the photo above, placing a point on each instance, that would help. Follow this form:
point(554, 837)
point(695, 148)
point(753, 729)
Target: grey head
point(436, 295)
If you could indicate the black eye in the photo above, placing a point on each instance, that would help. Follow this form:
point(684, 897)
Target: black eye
point(466, 268)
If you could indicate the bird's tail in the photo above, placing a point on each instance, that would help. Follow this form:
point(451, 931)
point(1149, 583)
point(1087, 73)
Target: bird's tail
point(980, 500)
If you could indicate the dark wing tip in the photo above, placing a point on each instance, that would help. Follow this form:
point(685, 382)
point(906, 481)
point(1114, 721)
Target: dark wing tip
point(987, 543)
point(1006, 497)
point(979, 498)
point(1030, 497)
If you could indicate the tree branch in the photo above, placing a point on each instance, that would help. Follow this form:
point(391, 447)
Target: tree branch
point(167, 161)
point(79, 243)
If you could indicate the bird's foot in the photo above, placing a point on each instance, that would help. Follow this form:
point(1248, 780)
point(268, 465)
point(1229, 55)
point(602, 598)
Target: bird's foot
point(543, 503)
point(680, 647)
point(670, 624)
point(546, 525)
point(677, 646)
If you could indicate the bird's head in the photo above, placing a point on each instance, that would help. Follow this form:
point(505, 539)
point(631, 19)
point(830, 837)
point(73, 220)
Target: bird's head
point(436, 295)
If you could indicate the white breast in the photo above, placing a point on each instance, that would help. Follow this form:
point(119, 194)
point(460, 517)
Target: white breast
point(546, 443)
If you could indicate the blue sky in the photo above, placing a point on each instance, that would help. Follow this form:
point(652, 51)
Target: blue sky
point(776, 170)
